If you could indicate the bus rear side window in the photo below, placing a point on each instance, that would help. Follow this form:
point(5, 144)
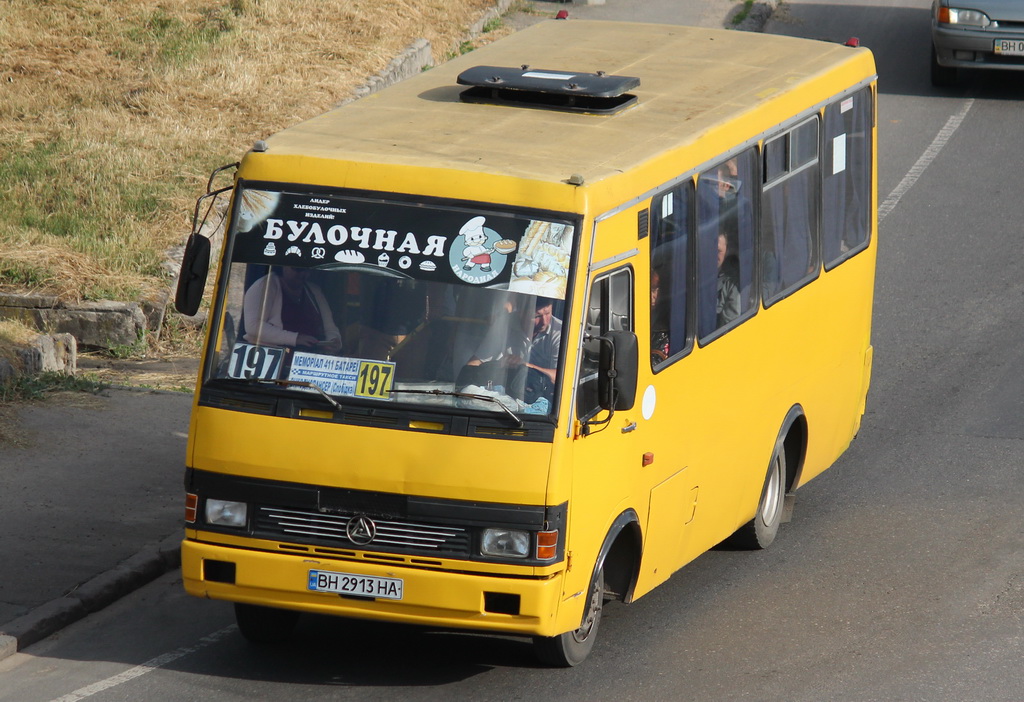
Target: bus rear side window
point(846, 198)
point(789, 215)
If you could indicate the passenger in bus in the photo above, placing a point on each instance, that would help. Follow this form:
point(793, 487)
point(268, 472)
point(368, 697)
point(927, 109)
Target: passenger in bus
point(546, 339)
point(728, 307)
point(659, 321)
point(284, 308)
point(728, 186)
point(521, 359)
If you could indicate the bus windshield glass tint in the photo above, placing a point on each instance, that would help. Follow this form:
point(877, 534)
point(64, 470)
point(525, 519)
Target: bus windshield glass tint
point(396, 302)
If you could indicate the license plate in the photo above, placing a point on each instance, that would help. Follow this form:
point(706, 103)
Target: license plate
point(355, 585)
point(1009, 47)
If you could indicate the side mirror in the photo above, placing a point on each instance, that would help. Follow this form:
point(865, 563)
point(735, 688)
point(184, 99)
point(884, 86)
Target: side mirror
point(195, 265)
point(617, 374)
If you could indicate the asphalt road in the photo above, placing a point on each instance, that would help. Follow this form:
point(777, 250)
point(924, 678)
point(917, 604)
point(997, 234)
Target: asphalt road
point(901, 576)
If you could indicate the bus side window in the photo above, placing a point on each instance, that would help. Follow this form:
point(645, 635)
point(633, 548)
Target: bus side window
point(846, 198)
point(725, 242)
point(789, 216)
point(671, 217)
point(610, 308)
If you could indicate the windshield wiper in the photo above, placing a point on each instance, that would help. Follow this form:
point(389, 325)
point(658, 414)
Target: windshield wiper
point(337, 405)
point(296, 383)
point(468, 395)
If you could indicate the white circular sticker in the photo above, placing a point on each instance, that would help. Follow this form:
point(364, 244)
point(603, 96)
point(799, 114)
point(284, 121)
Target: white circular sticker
point(650, 400)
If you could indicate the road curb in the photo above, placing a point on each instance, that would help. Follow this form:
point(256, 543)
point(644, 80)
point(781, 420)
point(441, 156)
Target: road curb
point(91, 596)
point(757, 17)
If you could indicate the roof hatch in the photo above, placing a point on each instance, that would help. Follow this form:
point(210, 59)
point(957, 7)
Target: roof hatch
point(567, 91)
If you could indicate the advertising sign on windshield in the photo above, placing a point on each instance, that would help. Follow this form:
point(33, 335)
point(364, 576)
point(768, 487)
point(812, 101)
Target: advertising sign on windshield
point(491, 249)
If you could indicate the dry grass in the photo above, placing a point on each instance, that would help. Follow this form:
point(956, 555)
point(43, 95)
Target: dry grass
point(16, 334)
point(113, 113)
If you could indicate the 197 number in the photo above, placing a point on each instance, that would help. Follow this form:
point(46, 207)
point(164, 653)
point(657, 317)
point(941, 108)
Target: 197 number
point(374, 379)
point(249, 361)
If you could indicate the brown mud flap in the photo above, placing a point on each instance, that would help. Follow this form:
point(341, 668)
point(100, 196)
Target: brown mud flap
point(787, 507)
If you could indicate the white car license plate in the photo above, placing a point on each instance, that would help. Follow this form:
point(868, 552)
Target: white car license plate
point(356, 585)
point(1009, 47)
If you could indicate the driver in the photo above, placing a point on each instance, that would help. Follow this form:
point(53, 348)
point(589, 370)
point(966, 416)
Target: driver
point(524, 363)
point(284, 308)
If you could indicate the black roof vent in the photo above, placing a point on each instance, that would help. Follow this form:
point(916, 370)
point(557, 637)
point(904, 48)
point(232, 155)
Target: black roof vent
point(595, 93)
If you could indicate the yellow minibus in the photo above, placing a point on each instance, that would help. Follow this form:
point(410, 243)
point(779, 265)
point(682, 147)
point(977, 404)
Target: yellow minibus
point(528, 332)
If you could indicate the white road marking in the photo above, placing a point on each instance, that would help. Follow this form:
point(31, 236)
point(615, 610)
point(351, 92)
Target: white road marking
point(929, 155)
point(147, 667)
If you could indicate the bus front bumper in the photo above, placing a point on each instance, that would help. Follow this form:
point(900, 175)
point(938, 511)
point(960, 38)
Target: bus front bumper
point(511, 605)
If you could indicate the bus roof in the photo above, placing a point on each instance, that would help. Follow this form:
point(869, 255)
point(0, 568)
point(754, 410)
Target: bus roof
point(692, 80)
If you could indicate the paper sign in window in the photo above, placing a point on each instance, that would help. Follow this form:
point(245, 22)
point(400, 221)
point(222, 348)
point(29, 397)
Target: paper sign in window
point(839, 154)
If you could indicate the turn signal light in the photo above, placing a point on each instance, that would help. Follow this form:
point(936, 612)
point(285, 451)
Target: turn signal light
point(547, 545)
point(191, 504)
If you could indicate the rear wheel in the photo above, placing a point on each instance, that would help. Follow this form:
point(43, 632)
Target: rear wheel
point(265, 625)
point(942, 76)
point(760, 531)
point(572, 647)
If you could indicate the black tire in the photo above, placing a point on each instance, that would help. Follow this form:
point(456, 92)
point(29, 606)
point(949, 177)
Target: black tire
point(942, 76)
point(573, 647)
point(265, 625)
point(760, 531)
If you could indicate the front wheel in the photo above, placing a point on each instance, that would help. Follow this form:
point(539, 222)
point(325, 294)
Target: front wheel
point(760, 531)
point(572, 647)
point(265, 625)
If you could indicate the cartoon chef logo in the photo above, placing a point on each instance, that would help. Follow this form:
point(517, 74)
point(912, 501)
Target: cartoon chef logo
point(476, 252)
point(479, 253)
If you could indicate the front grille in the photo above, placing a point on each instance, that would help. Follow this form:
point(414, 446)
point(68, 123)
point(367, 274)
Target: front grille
point(422, 531)
point(303, 526)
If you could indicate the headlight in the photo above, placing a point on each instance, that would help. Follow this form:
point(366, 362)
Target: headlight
point(963, 18)
point(509, 543)
point(225, 513)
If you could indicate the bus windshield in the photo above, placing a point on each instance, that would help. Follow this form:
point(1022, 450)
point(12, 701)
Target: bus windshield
point(384, 301)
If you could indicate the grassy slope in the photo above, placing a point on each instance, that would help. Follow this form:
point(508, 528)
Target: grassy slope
point(113, 112)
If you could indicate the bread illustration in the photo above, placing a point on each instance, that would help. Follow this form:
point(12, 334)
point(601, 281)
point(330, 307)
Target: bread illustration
point(255, 206)
point(349, 257)
point(505, 246)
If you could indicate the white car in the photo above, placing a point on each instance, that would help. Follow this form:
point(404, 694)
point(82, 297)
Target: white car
point(976, 34)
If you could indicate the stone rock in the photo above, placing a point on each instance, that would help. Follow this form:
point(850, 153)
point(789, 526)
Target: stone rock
point(101, 324)
point(57, 353)
point(196, 321)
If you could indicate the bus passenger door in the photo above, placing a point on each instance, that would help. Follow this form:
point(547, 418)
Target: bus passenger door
point(616, 471)
point(607, 457)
